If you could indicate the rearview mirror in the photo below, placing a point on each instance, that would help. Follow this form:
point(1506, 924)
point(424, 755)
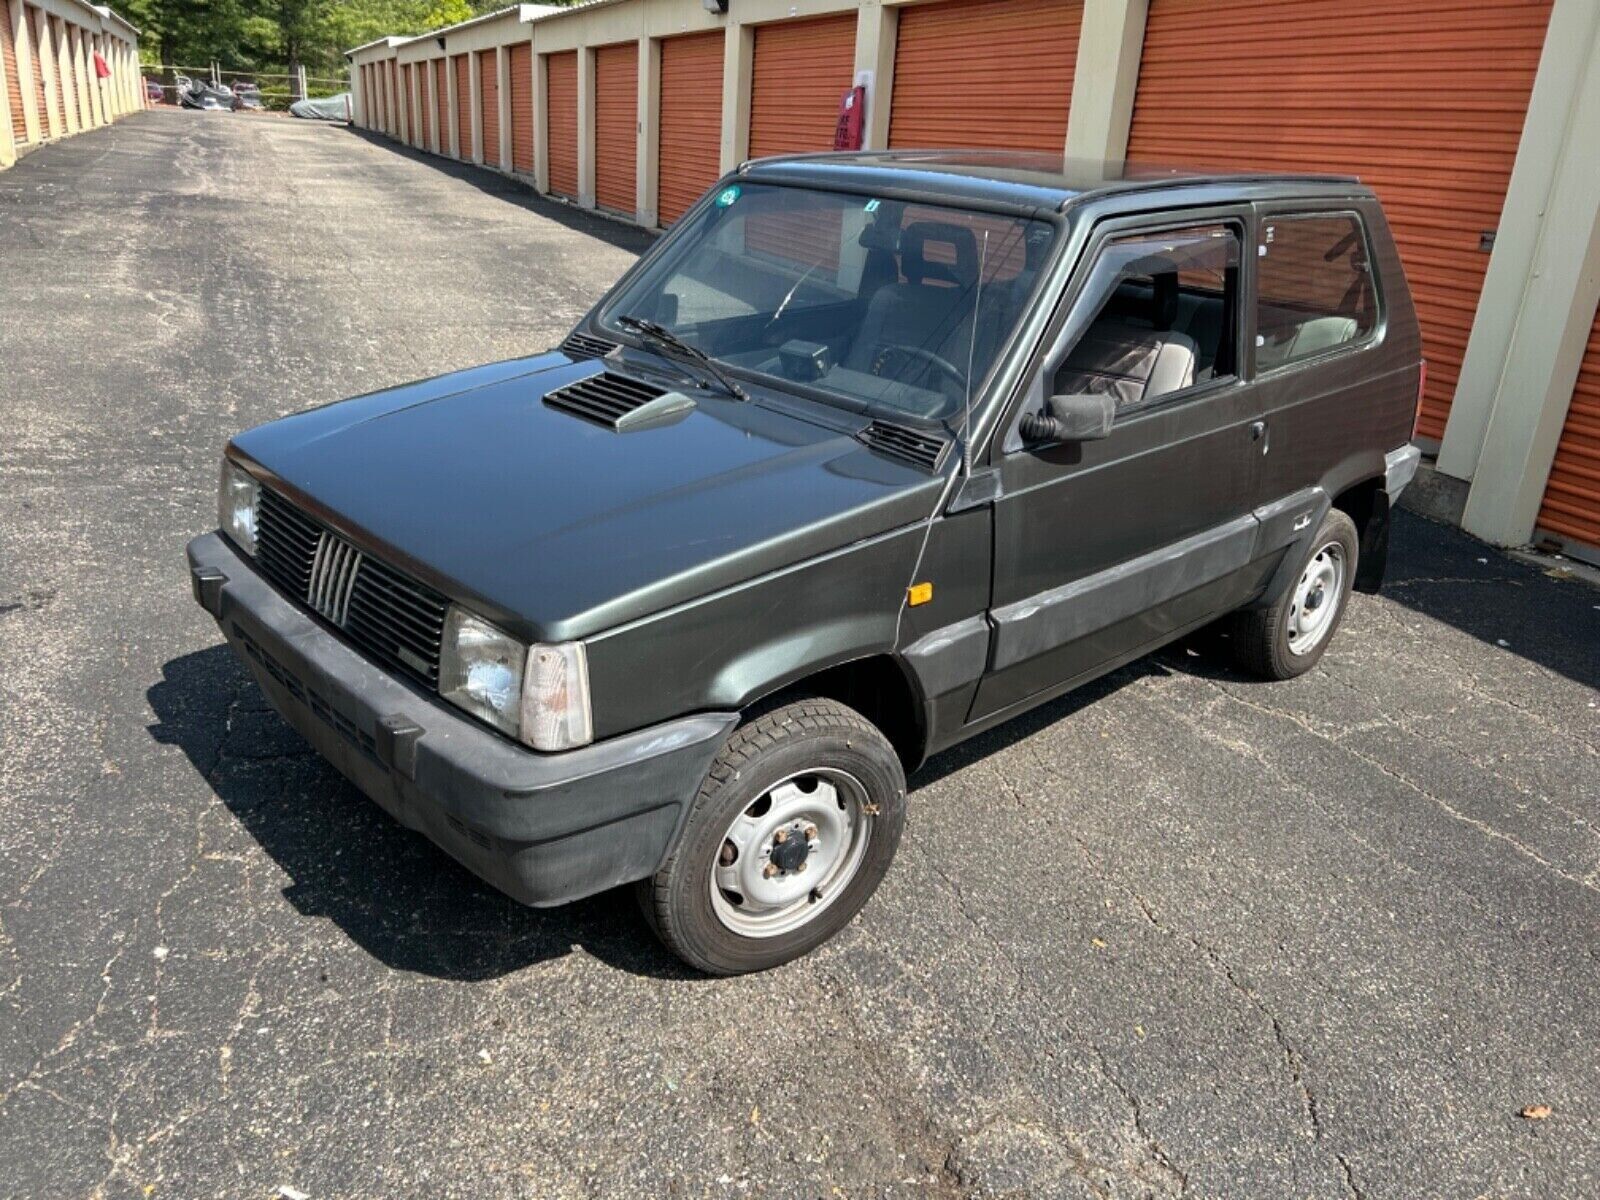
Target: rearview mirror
point(1080, 417)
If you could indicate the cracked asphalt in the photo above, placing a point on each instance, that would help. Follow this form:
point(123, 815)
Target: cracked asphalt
point(1180, 933)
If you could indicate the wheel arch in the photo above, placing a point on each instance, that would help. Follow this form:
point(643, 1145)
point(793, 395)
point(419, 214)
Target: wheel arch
point(878, 686)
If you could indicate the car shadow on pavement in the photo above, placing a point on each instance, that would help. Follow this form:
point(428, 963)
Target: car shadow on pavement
point(621, 234)
point(1535, 611)
point(390, 890)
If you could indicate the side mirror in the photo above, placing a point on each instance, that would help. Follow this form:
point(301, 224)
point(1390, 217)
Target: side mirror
point(1081, 417)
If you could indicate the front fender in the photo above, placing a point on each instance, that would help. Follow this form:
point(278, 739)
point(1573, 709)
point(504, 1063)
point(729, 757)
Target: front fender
point(729, 648)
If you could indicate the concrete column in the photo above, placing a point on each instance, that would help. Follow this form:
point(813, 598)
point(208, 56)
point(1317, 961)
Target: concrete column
point(475, 100)
point(503, 92)
point(1566, 59)
point(586, 126)
point(1555, 313)
point(1110, 43)
point(61, 42)
point(738, 62)
point(80, 71)
point(35, 122)
point(8, 146)
point(50, 59)
point(647, 178)
point(541, 122)
point(97, 91)
point(876, 26)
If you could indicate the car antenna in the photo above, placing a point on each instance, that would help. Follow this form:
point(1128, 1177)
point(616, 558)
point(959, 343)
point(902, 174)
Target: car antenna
point(972, 352)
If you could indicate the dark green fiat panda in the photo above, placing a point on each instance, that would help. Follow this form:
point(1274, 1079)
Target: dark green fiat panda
point(869, 454)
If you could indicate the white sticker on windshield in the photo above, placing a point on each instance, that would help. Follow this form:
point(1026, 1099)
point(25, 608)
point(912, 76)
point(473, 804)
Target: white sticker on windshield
point(872, 206)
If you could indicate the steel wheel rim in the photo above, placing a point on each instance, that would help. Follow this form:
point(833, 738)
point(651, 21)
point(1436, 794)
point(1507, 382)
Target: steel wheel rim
point(1316, 599)
point(761, 892)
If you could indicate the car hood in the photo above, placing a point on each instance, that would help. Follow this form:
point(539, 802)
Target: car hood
point(559, 528)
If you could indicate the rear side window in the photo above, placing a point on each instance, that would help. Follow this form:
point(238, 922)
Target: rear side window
point(1314, 290)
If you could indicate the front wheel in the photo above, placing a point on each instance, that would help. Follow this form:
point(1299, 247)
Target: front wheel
point(790, 834)
point(1290, 637)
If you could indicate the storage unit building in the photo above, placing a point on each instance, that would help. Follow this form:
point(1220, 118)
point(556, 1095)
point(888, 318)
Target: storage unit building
point(1423, 102)
point(616, 114)
point(561, 122)
point(993, 74)
point(521, 71)
point(489, 106)
point(799, 71)
point(689, 147)
point(463, 70)
point(1570, 512)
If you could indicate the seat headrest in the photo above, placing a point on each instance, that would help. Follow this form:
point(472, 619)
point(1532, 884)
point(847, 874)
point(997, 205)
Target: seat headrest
point(914, 263)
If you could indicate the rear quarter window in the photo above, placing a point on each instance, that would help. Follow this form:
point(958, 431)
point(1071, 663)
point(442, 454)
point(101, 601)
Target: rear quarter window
point(1314, 291)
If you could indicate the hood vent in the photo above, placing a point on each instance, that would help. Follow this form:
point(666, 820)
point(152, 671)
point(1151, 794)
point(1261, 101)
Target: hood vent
point(582, 345)
point(915, 446)
point(618, 402)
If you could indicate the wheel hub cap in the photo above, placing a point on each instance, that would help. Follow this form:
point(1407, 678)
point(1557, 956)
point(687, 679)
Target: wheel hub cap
point(789, 853)
point(1314, 603)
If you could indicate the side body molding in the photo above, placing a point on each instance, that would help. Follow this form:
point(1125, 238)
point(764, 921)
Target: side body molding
point(1040, 623)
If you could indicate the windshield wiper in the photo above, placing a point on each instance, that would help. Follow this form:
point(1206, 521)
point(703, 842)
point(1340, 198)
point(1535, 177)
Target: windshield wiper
point(661, 339)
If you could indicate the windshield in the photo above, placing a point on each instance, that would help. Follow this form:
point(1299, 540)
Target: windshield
point(888, 306)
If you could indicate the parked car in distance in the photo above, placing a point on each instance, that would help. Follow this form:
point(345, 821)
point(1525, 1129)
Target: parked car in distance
point(247, 95)
point(870, 453)
point(152, 91)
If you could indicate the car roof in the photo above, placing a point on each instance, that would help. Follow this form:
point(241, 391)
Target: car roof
point(1030, 180)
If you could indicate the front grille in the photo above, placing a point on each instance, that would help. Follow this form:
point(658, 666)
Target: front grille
point(382, 611)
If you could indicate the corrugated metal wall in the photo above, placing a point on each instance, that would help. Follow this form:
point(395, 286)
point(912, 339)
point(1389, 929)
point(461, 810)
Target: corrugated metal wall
point(690, 153)
point(1425, 101)
point(441, 99)
point(463, 71)
point(430, 115)
point(489, 116)
point(561, 108)
point(800, 71)
point(8, 59)
point(521, 69)
point(1571, 508)
point(616, 122)
point(995, 74)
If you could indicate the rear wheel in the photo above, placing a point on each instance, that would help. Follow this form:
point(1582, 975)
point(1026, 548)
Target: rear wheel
point(1291, 636)
point(794, 827)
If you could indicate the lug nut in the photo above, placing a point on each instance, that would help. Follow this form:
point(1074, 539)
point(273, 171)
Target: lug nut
point(781, 836)
point(800, 868)
point(771, 869)
point(811, 833)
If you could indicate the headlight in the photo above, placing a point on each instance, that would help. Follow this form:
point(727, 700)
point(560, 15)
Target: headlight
point(236, 506)
point(538, 694)
point(480, 669)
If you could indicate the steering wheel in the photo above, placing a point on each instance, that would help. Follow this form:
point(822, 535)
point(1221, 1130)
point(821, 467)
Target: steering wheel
point(926, 357)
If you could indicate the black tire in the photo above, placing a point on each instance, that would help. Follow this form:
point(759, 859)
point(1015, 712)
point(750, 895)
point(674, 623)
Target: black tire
point(1261, 636)
point(808, 735)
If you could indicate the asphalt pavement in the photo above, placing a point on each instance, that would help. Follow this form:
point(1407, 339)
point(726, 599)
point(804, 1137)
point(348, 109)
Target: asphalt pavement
point(1179, 933)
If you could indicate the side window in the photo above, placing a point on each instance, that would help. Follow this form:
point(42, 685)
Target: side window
point(1165, 316)
point(1315, 290)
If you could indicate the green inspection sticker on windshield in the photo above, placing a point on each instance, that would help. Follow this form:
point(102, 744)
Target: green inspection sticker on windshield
point(727, 196)
point(872, 205)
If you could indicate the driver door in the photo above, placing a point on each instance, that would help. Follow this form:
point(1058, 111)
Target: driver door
point(1106, 548)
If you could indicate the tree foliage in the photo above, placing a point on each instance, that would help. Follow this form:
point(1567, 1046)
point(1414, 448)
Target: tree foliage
point(280, 35)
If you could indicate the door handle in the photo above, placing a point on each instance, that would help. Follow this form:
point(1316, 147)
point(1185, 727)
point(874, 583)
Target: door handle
point(1258, 433)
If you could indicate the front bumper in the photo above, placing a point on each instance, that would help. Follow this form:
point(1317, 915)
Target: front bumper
point(544, 828)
